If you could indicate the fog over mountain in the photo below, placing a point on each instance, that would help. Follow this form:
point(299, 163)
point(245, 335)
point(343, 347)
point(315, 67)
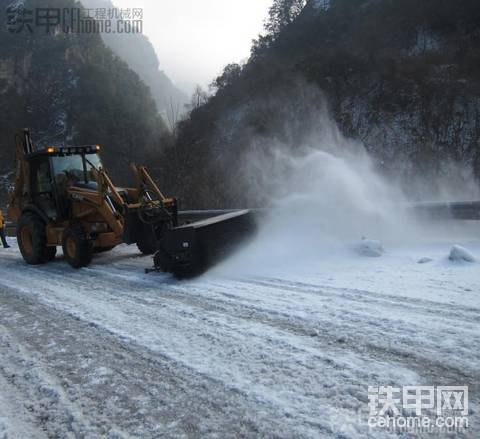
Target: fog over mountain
point(137, 50)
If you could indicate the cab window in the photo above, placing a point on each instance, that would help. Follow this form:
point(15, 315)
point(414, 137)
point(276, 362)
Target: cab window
point(92, 161)
point(41, 181)
point(68, 170)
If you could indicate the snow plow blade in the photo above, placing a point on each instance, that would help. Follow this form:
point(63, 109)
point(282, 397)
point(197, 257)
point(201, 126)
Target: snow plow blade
point(191, 249)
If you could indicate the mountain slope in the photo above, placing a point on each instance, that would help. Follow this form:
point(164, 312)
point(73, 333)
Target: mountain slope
point(401, 77)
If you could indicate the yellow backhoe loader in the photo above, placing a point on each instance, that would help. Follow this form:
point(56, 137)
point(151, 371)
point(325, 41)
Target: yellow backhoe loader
point(64, 197)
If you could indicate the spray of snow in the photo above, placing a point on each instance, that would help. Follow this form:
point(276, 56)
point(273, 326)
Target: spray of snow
point(329, 202)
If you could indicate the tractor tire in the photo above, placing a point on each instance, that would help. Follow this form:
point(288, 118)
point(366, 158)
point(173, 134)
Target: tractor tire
point(147, 243)
point(32, 240)
point(77, 249)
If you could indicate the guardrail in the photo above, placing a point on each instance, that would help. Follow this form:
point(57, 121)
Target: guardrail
point(464, 210)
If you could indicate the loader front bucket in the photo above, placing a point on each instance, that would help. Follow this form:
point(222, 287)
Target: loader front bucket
point(191, 249)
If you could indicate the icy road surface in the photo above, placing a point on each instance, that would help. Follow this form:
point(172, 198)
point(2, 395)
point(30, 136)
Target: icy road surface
point(108, 351)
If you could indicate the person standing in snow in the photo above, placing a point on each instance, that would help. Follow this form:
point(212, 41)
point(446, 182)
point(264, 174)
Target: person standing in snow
point(2, 231)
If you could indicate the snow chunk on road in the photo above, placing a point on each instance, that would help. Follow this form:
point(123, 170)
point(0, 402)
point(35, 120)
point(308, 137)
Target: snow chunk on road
point(424, 260)
point(370, 247)
point(459, 253)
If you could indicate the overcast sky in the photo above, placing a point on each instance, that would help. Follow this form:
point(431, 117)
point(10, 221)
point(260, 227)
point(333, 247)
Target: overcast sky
point(195, 39)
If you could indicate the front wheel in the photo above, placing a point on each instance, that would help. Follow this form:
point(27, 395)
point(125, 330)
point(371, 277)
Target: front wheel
point(32, 240)
point(77, 249)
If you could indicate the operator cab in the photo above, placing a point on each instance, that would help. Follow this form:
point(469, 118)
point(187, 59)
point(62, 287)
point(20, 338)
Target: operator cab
point(55, 169)
point(75, 170)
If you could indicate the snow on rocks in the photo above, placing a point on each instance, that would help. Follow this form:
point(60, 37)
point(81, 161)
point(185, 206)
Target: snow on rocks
point(459, 253)
point(424, 260)
point(370, 248)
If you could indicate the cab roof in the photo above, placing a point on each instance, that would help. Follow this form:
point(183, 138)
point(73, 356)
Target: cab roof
point(64, 150)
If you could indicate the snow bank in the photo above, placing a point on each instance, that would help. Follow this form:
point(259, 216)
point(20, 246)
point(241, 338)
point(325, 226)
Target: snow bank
point(370, 248)
point(459, 253)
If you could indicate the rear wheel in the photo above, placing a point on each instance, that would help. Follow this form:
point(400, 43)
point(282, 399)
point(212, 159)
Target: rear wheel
point(77, 249)
point(32, 240)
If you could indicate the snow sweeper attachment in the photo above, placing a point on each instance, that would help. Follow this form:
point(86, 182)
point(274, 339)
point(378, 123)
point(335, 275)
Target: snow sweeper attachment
point(189, 250)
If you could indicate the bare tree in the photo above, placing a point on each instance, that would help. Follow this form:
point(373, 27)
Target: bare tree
point(173, 115)
point(199, 98)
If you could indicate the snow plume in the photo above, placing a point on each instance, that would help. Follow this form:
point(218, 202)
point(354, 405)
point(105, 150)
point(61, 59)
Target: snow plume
point(324, 194)
point(327, 197)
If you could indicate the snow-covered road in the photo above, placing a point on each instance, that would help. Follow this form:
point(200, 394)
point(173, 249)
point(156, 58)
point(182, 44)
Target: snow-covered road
point(108, 351)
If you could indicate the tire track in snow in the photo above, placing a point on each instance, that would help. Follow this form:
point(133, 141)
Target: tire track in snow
point(111, 387)
point(272, 366)
point(422, 306)
point(350, 320)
